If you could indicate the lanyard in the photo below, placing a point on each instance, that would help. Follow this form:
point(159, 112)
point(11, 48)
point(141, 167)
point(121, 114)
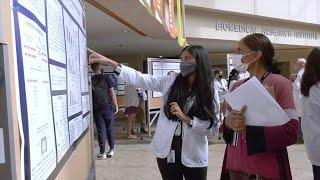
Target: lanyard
point(264, 76)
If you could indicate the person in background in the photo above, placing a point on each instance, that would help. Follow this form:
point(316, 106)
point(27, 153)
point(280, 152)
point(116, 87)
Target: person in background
point(259, 152)
point(142, 113)
point(300, 63)
point(233, 78)
point(171, 73)
point(132, 109)
point(310, 89)
point(187, 117)
point(221, 85)
point(102, 91)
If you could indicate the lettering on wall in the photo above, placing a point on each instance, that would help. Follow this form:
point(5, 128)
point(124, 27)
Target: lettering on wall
point(268, 31)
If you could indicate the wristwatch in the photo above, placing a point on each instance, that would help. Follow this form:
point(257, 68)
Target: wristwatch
point(117, 71)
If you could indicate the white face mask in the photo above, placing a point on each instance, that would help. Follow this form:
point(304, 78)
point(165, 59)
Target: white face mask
point(239, 65)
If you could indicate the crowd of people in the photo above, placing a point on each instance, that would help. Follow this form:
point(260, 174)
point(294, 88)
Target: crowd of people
point(194, 108)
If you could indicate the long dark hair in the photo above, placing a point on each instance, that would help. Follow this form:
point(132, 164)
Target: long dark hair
point(234, 75)
point(260, 42)
point(203, 106)
point(311, 74)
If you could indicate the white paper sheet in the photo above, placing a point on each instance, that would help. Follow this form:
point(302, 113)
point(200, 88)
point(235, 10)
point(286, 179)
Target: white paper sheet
point(73, 65)
point(38, 96)
point(56, 42)
point(75, 128)
point(2, 150)
point(85, 104)
point(37, 7)
point(263, 110)
point(58, 78)
point(61, 124)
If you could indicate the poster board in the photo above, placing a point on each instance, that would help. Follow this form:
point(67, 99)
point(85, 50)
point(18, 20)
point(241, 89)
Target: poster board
point(160, 67)
point(51, 55)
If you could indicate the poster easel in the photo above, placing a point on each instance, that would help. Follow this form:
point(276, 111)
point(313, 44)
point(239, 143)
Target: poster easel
point(158, 67)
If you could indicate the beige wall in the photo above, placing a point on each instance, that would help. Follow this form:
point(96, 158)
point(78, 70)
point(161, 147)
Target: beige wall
point(5, 9)
point(134, 61)
point(201, 24)
point(79, 164)
point(306, 11)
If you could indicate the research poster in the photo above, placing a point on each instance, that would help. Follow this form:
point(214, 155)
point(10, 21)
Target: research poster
point(73, 65)
point(51, 57)
point(61, 124)
point(57, 50)
point(38, 98)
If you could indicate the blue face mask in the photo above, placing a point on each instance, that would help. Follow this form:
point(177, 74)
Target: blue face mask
point(186, 68)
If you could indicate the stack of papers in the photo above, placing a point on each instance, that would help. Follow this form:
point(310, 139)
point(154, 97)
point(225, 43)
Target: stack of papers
point(262, 108)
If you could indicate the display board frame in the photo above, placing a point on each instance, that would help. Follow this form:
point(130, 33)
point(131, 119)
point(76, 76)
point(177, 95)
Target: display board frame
point(28, 15)
point(154, 100)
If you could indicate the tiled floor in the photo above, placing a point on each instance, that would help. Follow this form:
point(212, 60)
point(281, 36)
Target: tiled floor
point(134, 161)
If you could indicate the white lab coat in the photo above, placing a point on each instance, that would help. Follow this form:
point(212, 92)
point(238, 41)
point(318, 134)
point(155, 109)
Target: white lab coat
point(222, 87)
point(131, 96)
point(297, 92)
point(311, 124)
point(195, 143)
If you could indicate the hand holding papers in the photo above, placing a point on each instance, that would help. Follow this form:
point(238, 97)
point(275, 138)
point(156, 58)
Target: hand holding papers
point(263, 110)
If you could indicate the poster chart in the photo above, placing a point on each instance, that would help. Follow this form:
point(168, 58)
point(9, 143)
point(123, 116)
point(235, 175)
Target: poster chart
point(162, 68)
point(53, 80)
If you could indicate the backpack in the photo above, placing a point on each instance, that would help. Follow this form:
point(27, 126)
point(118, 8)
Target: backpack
point(100, 91)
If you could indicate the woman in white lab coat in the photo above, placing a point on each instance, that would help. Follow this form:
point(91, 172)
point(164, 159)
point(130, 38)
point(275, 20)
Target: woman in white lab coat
point(189, 113)
point(310, 89)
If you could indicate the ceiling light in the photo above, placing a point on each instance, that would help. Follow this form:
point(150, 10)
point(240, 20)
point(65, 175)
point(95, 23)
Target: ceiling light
point(126, 31)
point(122, 45)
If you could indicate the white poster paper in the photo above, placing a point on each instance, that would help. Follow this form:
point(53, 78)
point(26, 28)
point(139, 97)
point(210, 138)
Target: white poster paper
point(85, 104)
point(76, 10)
point(55, 32)
point(83, 63)
point(2, 151)
point(38, 96)
point(73, 66)
point(75, 128)
point(86, 122)
point(58, 78)
point(37, 7)
point(61, 124)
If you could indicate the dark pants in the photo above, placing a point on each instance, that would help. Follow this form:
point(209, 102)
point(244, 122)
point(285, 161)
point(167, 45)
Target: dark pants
point(316, 172)
point(104, 120)
point(176, 171)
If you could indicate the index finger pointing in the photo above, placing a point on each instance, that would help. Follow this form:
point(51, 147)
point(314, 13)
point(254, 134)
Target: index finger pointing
point(91, 51)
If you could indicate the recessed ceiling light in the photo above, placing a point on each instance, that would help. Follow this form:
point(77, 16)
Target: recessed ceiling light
point(160, 56)
point(126, 31)
point(122, 45)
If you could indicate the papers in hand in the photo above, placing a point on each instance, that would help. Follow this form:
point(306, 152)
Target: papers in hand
point(262, 108)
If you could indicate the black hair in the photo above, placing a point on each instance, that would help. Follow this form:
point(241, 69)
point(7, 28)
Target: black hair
point(94, 66)
point(203, 106)
point(234, 75)
point(311, 74)
point(260, 42)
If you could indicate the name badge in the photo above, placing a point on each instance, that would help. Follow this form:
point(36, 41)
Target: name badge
point(171, 157)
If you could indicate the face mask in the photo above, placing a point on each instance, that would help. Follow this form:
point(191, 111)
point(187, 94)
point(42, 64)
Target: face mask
point(186, 68)
point(239, 65)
